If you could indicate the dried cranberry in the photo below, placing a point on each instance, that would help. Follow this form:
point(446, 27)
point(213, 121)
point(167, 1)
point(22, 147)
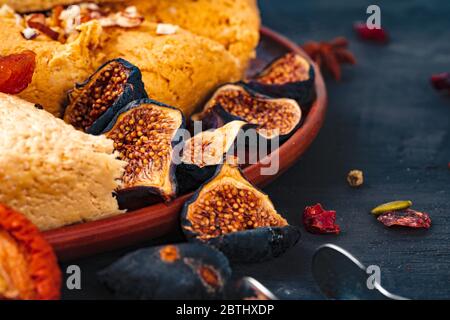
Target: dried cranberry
point(406, 218)
point(16, 71)
point(318, 220)
point(441, 81)
point(376, 35)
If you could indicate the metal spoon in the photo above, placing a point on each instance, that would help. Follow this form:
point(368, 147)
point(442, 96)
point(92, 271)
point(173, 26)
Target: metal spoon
point(257, 288)
point(343, 277)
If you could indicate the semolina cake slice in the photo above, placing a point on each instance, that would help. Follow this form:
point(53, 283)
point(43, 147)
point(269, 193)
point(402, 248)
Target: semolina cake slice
point(52, 173)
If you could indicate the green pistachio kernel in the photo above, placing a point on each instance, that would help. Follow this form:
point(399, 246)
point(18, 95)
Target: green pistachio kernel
point(391, 206)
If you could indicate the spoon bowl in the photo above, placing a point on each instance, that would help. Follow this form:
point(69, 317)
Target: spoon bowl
point(341, 276)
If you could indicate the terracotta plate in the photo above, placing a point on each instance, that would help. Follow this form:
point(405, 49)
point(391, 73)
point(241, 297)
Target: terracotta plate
point(156, 220)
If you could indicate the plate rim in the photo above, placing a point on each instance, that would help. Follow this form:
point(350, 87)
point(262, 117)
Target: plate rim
point(88, 238)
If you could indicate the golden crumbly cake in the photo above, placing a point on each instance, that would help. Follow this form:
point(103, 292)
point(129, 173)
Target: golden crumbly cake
point(232, 23)
point(52, 173)
point(180, 69)
point(39, 5)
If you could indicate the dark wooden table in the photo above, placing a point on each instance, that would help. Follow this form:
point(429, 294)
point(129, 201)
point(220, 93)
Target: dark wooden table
point(385, 119)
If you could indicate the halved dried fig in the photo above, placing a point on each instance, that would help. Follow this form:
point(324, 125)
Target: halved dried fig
point(290, 76)
point(231, 214)
point(145, 133)
point(28, 266)
point(93, 103)
point(184, 271)
point(204, 152)
point(274, 117)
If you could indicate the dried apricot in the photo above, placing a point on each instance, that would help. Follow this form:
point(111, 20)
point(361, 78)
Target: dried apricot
point(28, 265)
point(16, 71)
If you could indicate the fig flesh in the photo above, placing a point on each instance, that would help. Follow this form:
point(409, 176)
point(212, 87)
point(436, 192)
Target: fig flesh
point(145, 133)
point(291, 76)
point(232, 215)
point(205, 151)
point(93, 103)
point(274, 117)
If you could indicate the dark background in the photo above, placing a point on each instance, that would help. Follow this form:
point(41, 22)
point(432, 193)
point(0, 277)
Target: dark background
point(385, 119)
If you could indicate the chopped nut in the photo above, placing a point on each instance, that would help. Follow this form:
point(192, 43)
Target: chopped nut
point(37, 21)
point(75, 15)
point(166, 29)
point(29, 33)
point(55, 21)
point(391, 206)
point(19, 19)
point(355, 178)
point(129, 18)
point(92, 6)
point(131, 10)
